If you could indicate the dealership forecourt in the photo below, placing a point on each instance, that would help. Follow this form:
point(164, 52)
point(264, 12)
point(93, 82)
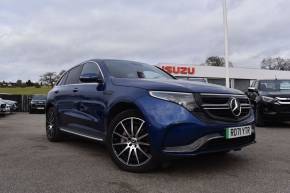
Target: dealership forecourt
point(29, 163)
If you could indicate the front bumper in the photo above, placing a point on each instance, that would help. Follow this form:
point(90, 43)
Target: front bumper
point(276, 111)
point(210, 144)
point(174, 131)
point(40, 107)
point(4, 112)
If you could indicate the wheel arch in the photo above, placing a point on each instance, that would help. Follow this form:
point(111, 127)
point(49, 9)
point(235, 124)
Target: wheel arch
point(49, 105)
point(118, 108)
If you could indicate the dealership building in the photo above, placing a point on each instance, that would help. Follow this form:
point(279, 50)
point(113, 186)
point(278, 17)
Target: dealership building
point(240, 78)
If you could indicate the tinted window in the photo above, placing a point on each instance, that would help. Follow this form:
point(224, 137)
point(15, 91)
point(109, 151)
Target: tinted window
point(39, 97)
point(91, 68)
point(274, 85)
point(62, 80)
point(256, 84)
point(128, 69)
point(74, 75)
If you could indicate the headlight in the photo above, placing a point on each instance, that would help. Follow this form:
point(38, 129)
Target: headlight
point(184, 99)
point(267, 99)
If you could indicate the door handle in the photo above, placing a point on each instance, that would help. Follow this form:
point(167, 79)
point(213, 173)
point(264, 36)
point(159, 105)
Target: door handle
point(75, 90)
point(56, 91)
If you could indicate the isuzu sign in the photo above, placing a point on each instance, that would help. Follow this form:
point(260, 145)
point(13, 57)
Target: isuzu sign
point(179, 70)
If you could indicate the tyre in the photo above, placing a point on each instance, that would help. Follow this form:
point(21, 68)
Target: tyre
point(260, 122)
point(53, 133)
point(129, 144)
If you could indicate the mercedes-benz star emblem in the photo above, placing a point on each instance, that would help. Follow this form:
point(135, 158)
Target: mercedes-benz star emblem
point(235, 107)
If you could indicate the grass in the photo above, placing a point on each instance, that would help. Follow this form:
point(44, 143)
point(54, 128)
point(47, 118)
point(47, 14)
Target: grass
point(25, 90)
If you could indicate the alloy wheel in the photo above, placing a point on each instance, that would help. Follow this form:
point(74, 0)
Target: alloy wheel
point(50, 123)
point(130, 142)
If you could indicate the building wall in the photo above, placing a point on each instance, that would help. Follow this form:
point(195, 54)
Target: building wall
point(219, 72)
point(241, 84)
point(218, 81)
point(241, 78)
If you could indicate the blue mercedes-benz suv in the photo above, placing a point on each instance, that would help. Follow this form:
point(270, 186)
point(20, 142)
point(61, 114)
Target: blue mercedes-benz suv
point(144, 115)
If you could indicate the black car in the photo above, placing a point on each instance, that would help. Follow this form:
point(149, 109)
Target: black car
point(37, 104)
point(271, 100)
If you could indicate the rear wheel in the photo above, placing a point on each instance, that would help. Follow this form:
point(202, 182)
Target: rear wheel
point(53, 133)
point(128, 142)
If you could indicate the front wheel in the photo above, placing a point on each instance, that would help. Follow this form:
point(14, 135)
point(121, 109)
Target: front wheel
point(129, 144)
point(53, 133)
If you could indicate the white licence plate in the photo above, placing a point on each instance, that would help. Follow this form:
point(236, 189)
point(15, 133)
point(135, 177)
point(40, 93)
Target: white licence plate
point(235, 132)
point(40, 108)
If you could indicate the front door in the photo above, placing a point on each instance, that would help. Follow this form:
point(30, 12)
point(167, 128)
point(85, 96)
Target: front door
point(92, 101)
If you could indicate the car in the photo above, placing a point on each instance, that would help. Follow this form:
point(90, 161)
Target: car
point(3, 108)
point(37, 103)
point(146, 116)
point(11, 104)
point(271, 100)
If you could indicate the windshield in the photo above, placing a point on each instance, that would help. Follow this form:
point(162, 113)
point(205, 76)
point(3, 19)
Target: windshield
point(135, 70)
point(274, 85)
point(39, 97)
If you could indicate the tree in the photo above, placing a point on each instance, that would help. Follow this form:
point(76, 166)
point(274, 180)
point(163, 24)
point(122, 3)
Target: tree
point(29, 83)
point(49, 78)
point(277, 63)
point(216, 61)
point(60, 74)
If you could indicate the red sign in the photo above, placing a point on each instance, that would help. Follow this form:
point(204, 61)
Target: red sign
point(182, 70)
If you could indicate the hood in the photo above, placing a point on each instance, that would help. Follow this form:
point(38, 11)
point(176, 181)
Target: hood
point(174, 85)
point(37, 100)
point(8, 101)
point(282, 94)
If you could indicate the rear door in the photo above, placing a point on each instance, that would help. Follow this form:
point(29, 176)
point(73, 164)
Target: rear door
point(58, 93)
point(68, 99)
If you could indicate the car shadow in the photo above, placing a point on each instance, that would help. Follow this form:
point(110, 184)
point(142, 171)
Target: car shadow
point(86, 145)
point(278, 125)
point(197, 164)
point(209, 163)
point(37, 112)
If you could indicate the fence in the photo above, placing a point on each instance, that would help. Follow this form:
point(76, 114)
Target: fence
point(22, 100)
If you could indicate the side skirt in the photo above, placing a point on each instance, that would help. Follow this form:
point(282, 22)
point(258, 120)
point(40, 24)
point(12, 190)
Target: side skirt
point(81, 135)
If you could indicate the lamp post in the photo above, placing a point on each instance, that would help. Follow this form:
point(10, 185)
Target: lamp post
point(225, 19)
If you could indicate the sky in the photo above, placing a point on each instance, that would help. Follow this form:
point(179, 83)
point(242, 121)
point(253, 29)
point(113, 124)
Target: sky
point(52, 35)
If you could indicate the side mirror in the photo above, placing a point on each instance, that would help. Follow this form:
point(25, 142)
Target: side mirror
point(252, 89)
point(92, 77)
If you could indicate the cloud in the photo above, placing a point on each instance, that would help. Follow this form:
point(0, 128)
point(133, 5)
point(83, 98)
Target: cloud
point(36, 37)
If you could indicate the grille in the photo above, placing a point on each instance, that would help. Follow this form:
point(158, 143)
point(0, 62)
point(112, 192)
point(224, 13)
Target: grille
point(217, 106)
point(283, 101)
